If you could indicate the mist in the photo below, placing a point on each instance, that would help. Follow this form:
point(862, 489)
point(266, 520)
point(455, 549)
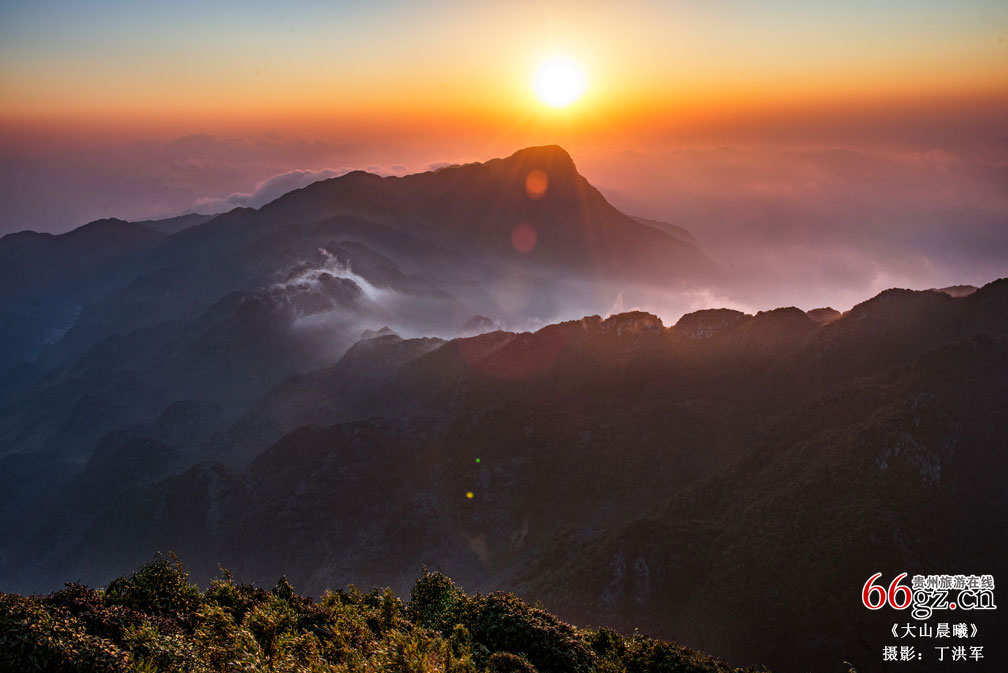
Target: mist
point(827, 226)
point(811, 224)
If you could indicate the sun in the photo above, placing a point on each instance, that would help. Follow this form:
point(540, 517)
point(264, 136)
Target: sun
point(559, 83)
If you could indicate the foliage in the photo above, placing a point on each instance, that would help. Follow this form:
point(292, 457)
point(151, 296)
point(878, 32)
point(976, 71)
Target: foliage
point(160, 587)
point(505, 662)
point(153, 650)
point(507, 624)
point(39, 637)
point(154, 620)
point(436, 603)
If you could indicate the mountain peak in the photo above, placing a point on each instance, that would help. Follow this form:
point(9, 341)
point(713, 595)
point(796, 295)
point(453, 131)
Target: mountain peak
point(824, 315)
point(532, 208)
point(632, 322)
point(551, 159)
point(548, 153)
point(707, 323)
point(111, 228)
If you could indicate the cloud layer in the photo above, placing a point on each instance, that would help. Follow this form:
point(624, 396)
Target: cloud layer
point(57, 184)
point(266, 191)
point(810, 224)
point(824, 225)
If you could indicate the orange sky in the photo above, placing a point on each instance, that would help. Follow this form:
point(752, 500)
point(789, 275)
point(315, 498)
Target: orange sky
point(858, 144)
point(415, 69)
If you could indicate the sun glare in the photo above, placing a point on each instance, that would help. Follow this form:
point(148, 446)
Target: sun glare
point(559, 83)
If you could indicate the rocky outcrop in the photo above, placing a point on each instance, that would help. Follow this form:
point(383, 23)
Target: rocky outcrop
point(709, 322)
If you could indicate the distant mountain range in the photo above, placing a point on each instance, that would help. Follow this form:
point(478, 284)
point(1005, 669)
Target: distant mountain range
point(338, 387)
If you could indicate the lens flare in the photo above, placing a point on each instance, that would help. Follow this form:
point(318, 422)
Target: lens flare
point(536, 183)
point(524, 238)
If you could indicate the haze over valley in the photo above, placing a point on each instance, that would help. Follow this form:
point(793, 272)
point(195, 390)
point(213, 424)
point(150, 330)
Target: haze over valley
point(503, 337)
point(370, 374)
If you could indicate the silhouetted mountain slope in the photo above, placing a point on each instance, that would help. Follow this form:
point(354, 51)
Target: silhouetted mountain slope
point(627, 473)
point(884, 475)
point(290, 389)
point(675, 230)
point(453, 227)
point(474, 209)
point(127, 321)
point(45, 280)
point(35, 265)
point(958, 290)
point(709, 323)
point(823, 315)
point(173, 225)
point(228, 307)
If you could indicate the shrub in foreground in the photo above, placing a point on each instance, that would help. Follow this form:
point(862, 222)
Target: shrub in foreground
point(155, 620)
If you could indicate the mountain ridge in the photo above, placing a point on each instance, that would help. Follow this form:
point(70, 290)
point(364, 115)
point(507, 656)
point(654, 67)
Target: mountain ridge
point(212, 389)
point(631, 412)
